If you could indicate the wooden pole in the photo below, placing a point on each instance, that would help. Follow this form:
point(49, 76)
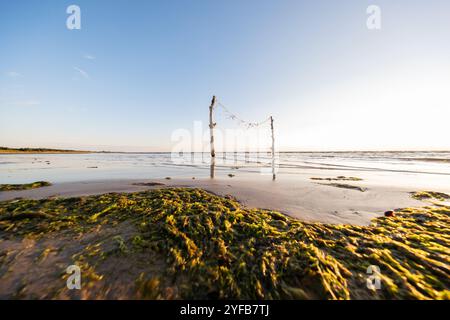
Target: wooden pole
point(211, 133)
point(211, 126)
point(273, 148)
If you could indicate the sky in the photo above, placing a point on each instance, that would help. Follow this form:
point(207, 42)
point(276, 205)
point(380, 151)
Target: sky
point(138, 71)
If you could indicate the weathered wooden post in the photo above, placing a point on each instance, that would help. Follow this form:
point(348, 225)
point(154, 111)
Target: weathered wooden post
point(273, 148)
point(211, 134)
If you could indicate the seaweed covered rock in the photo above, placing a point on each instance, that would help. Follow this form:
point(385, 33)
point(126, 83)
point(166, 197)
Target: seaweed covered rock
point(26, 186)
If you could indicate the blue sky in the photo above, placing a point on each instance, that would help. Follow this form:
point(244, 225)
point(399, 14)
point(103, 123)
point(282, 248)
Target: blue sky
point(138, 70)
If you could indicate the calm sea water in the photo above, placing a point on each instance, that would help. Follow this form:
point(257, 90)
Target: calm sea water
point(21, 168)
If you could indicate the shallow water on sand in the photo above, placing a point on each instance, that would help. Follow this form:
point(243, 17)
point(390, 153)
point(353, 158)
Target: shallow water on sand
point(21, 168)
point(388, 178)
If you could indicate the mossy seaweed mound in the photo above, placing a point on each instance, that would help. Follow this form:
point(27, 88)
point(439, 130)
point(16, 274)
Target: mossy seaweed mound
point(430, 195)
point(213, 247)
point(338, 178)
point(26, 186)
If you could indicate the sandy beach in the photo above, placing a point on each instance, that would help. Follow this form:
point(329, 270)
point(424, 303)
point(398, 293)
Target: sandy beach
point(306, 187)
point(301, 199)
point(143, 226)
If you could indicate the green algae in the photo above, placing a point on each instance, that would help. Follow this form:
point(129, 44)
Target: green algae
point(188, 243)
point(430, 195)
point(338, 178)
point(345, 186)
point(27, 186)
point(148, 184)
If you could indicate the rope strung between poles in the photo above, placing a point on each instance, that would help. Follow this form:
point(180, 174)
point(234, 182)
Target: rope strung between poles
point(245, 124)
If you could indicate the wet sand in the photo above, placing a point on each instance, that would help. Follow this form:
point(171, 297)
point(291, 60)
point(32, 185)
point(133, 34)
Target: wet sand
point(297, 196)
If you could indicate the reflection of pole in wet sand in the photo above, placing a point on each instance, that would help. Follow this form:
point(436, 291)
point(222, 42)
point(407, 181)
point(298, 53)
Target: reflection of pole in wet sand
point(212, 167)
point(273, 149)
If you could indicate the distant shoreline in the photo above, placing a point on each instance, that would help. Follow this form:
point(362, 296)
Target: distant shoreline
point(47, 152)
point(217, 152)
point(5, 150)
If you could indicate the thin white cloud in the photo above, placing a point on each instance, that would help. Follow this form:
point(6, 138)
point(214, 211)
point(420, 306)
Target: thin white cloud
point(20, 103)
point(83, 73)
point(88, 56)
point(13, 74)
point(28, 103)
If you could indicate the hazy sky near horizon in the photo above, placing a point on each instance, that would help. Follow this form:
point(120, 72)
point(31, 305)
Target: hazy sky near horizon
point(139, 70)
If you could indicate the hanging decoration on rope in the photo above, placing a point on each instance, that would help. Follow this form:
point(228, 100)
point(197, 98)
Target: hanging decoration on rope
point(242, 123)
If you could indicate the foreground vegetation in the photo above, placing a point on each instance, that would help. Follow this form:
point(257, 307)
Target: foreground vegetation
point(430, 195)
point(26, 186)
point(187, 243)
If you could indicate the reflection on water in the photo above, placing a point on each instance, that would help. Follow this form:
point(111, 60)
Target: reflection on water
point(20, 168)
point(212, 171)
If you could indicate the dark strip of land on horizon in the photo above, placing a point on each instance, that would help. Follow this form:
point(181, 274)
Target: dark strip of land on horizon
point(6, 150)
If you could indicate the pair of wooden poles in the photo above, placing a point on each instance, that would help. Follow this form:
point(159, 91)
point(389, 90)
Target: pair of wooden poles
point(211, 133)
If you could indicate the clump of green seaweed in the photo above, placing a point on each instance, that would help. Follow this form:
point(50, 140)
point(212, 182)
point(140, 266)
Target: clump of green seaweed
point(26, 186)
point(345, 186)
point(148, 184)
point(187, 243)
point(430, 195)
point(339, 178)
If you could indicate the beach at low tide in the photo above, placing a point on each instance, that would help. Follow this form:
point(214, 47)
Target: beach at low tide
point(306, 187)
point(154, 226)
